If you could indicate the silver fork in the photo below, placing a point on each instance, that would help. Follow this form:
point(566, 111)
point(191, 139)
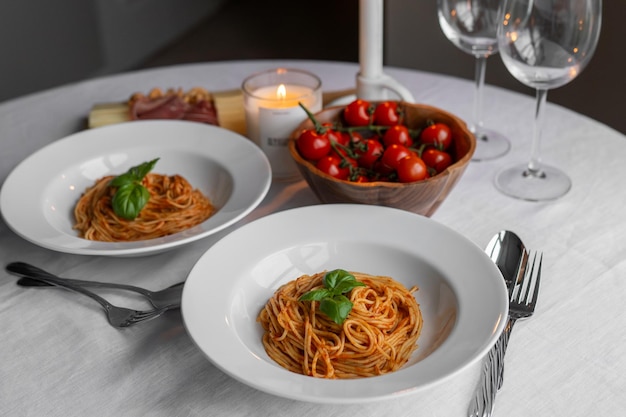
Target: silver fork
point(168, 297)
point(117, 316)
point(521, 305)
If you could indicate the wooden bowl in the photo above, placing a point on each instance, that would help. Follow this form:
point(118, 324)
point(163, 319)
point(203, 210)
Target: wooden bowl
point(422, 197)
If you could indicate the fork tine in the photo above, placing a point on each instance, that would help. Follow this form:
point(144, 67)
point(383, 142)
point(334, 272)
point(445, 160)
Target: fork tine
point(529, 287)
point(146, 315)
point(527, 280)
point(537, 279)
point(519, 279)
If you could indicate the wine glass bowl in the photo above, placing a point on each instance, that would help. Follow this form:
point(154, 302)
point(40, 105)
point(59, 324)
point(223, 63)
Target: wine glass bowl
point(471, 25)
point(545, 48)
point(544, 44)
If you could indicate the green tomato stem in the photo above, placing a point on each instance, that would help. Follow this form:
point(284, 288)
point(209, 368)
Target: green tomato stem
point(318, 126)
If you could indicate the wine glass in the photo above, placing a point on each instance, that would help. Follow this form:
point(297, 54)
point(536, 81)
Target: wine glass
point(544, 44)
point(471, 25)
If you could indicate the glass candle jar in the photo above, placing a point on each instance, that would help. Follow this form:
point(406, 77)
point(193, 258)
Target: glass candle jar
point(271, 101)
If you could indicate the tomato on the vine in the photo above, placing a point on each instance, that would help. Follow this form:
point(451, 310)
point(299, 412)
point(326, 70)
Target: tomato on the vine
point(436, 159)
point(371, 142)
point(355, 138)
point(411, 168)
point(387, 114)
point(438, 135)
point(393, 154)
point(340, 151)
point(312, 145)
point(335, 136)
point(368, 152)
point(330, 165)
point(358, 113)
point(382, 171)
point(336, 166)
point(399, 135)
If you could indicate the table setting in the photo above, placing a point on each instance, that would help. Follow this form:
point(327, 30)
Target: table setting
point(179, 324)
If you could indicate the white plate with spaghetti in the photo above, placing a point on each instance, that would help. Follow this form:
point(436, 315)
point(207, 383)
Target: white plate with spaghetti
point(462, 295)
point(38, 198)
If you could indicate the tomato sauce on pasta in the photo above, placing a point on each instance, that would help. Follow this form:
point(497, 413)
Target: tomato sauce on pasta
point(378, 336)
point(174, 206)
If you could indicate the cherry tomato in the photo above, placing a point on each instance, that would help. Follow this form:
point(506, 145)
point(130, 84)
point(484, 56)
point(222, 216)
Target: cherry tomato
point(411, 168)
point(437, 134)
point(387, 114)
point(399, 135)
point(313, 146)
point(335, 166)
point(393, 154)
point(361, 178)
point(369, 151)
point(355, 138)
point(340, 151)
point(357, 113)
point(335, 136)
point(436, 159)
point(382, 171)
point(345, 139)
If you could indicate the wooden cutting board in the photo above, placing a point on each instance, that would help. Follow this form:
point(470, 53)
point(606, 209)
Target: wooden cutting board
point(229, 106)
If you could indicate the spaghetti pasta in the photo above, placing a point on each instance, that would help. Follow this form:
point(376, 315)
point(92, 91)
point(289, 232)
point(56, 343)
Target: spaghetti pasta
point(378, 336)
point(173, 206)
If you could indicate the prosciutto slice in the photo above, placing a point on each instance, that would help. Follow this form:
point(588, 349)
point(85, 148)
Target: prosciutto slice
point(203, 111)
point(173, 107)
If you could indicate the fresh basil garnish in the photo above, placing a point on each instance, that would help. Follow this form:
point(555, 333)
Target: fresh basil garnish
point(131, 196)
point(332, 300)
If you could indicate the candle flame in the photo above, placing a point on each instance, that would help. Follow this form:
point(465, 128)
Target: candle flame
point(281, 92)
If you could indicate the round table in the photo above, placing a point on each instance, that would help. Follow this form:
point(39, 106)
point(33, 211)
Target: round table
point(61, 358)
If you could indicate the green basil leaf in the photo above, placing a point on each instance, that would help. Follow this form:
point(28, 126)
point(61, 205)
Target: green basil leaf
point(131, 196)
point(337, 308)
point(129, 200)
point(332, 278)
point(142, 170)
point(346, 284)
point(332, 301)
point(345, 306)
point(121, 180)
point(134, 174)
point(315, 295)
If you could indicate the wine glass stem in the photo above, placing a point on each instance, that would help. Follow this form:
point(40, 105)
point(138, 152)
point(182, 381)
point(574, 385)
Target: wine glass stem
point(534, 166)
point(481, 66)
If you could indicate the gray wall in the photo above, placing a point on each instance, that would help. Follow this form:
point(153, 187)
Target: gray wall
point(413, 39)
point(45, 43)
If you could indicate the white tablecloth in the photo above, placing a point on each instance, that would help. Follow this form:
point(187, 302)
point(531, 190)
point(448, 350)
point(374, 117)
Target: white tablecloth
point(59, 357)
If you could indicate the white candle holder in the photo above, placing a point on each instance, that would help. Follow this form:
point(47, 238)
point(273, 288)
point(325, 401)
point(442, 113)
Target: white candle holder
point(371, 82)
point(272, 112)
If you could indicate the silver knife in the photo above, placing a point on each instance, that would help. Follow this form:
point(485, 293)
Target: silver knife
point(507, 251)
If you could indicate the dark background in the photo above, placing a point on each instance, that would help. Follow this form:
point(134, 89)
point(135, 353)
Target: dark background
point(47, 44)
point(328, 29)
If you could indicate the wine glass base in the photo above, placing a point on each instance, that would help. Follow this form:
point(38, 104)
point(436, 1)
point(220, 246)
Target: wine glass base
point(520, 182)
point(490, 145)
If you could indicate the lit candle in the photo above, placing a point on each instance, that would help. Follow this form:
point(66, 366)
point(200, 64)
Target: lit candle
point(272, 112)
